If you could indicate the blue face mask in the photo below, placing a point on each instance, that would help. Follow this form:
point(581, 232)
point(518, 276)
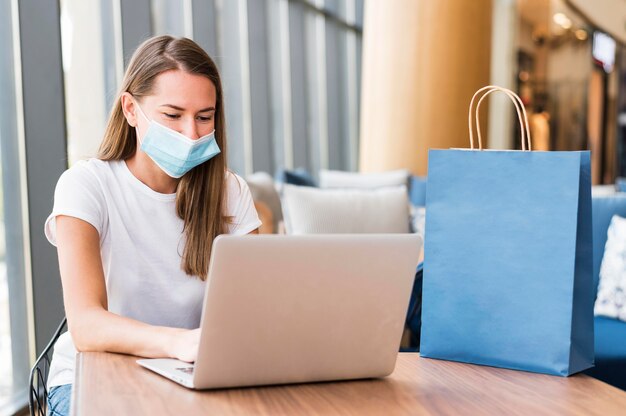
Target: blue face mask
point(175, 153)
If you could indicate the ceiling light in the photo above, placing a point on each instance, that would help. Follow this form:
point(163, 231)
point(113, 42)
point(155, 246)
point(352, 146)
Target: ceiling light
point(562, 20)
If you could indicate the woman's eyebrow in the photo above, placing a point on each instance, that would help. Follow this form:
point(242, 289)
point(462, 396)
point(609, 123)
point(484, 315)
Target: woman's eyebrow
point(175, 107)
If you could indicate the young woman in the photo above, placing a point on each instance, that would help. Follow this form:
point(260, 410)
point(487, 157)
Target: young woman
point(134, 227)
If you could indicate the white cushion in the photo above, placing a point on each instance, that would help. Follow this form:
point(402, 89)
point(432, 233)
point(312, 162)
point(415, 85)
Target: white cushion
point(346, 180)
point(327, 211)
point(603, 190)
point(611, 299)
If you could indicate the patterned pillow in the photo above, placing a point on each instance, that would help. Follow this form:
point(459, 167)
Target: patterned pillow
point(611, 299)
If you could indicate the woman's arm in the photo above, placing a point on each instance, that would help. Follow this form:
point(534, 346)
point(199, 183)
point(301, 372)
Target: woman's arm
point(92, 326)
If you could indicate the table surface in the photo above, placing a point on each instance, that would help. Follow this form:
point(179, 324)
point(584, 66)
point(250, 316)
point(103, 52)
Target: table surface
point(113, 384)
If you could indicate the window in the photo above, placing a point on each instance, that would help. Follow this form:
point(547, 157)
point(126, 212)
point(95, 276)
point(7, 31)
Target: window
point(89, 70)
point(15, 348)
point(290, 71)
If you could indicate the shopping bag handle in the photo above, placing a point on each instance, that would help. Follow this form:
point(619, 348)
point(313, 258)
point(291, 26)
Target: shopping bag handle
point(519, 107)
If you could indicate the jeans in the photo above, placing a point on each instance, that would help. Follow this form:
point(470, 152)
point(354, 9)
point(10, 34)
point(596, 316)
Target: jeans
point(59, 400)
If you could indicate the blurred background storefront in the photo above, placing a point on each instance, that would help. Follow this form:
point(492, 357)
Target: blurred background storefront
point(569, 78)
point(565, 58)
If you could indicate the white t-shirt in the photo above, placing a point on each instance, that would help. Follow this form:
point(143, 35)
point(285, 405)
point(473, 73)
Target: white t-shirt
point(141, 242)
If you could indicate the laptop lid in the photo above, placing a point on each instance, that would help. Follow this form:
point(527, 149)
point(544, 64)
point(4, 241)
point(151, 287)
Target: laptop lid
point(287, 309)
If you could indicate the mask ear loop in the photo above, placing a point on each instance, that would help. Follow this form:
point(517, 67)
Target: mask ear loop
point(144, 116)
point(141, 111)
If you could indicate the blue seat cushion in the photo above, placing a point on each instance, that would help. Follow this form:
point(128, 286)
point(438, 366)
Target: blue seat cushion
point(299, 177)
point(417, 191)
point(610, 346)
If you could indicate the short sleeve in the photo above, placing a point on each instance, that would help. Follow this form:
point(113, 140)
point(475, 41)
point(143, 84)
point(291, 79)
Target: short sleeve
point(78, 194)
point(240, 206)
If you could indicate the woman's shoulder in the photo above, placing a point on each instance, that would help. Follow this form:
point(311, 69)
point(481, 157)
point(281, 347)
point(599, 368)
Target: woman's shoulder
point(235, 184)
point(93, 166)
point(88, 172)
point(232, 178)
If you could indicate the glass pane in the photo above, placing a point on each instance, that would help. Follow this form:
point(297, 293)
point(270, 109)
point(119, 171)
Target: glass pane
point(299, 102)
point(168, 17)
point(84, 69)
point(260, 105)
point(6, 367)
point(14, 345)
point(336, 50)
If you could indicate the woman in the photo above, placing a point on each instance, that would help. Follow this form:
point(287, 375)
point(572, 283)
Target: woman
point(134, 227)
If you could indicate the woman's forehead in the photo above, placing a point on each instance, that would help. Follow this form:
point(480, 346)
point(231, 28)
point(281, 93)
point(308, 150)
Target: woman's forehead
point(184, 89)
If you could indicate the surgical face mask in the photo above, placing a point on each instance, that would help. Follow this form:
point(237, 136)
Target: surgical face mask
point(175, 153)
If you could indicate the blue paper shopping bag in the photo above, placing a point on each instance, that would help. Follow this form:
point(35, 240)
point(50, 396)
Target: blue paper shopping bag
point(508, 260)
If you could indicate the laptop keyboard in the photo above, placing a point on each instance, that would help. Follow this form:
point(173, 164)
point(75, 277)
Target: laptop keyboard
point(186, 370)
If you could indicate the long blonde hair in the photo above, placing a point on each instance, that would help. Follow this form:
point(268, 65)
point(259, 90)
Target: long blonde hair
point(201, 193)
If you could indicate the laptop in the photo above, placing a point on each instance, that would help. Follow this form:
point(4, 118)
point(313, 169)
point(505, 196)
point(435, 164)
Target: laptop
point(292, 309)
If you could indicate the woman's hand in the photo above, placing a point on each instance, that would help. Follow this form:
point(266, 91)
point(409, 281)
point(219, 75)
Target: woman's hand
point(184, 344)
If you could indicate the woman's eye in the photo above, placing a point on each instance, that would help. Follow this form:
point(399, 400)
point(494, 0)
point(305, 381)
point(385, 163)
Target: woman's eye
point(172, 116)
point(205, 118)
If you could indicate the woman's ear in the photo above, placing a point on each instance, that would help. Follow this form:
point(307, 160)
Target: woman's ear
point(129, 109)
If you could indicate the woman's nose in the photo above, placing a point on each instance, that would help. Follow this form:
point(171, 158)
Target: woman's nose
point(190, 129)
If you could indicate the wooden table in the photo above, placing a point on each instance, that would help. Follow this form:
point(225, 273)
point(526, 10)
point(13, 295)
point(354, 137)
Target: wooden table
point(113, 384)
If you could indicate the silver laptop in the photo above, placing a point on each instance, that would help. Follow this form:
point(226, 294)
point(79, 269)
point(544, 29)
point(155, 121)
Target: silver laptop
point(293, 309)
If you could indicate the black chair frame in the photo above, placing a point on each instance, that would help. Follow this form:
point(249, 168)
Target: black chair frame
point(38, 391)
